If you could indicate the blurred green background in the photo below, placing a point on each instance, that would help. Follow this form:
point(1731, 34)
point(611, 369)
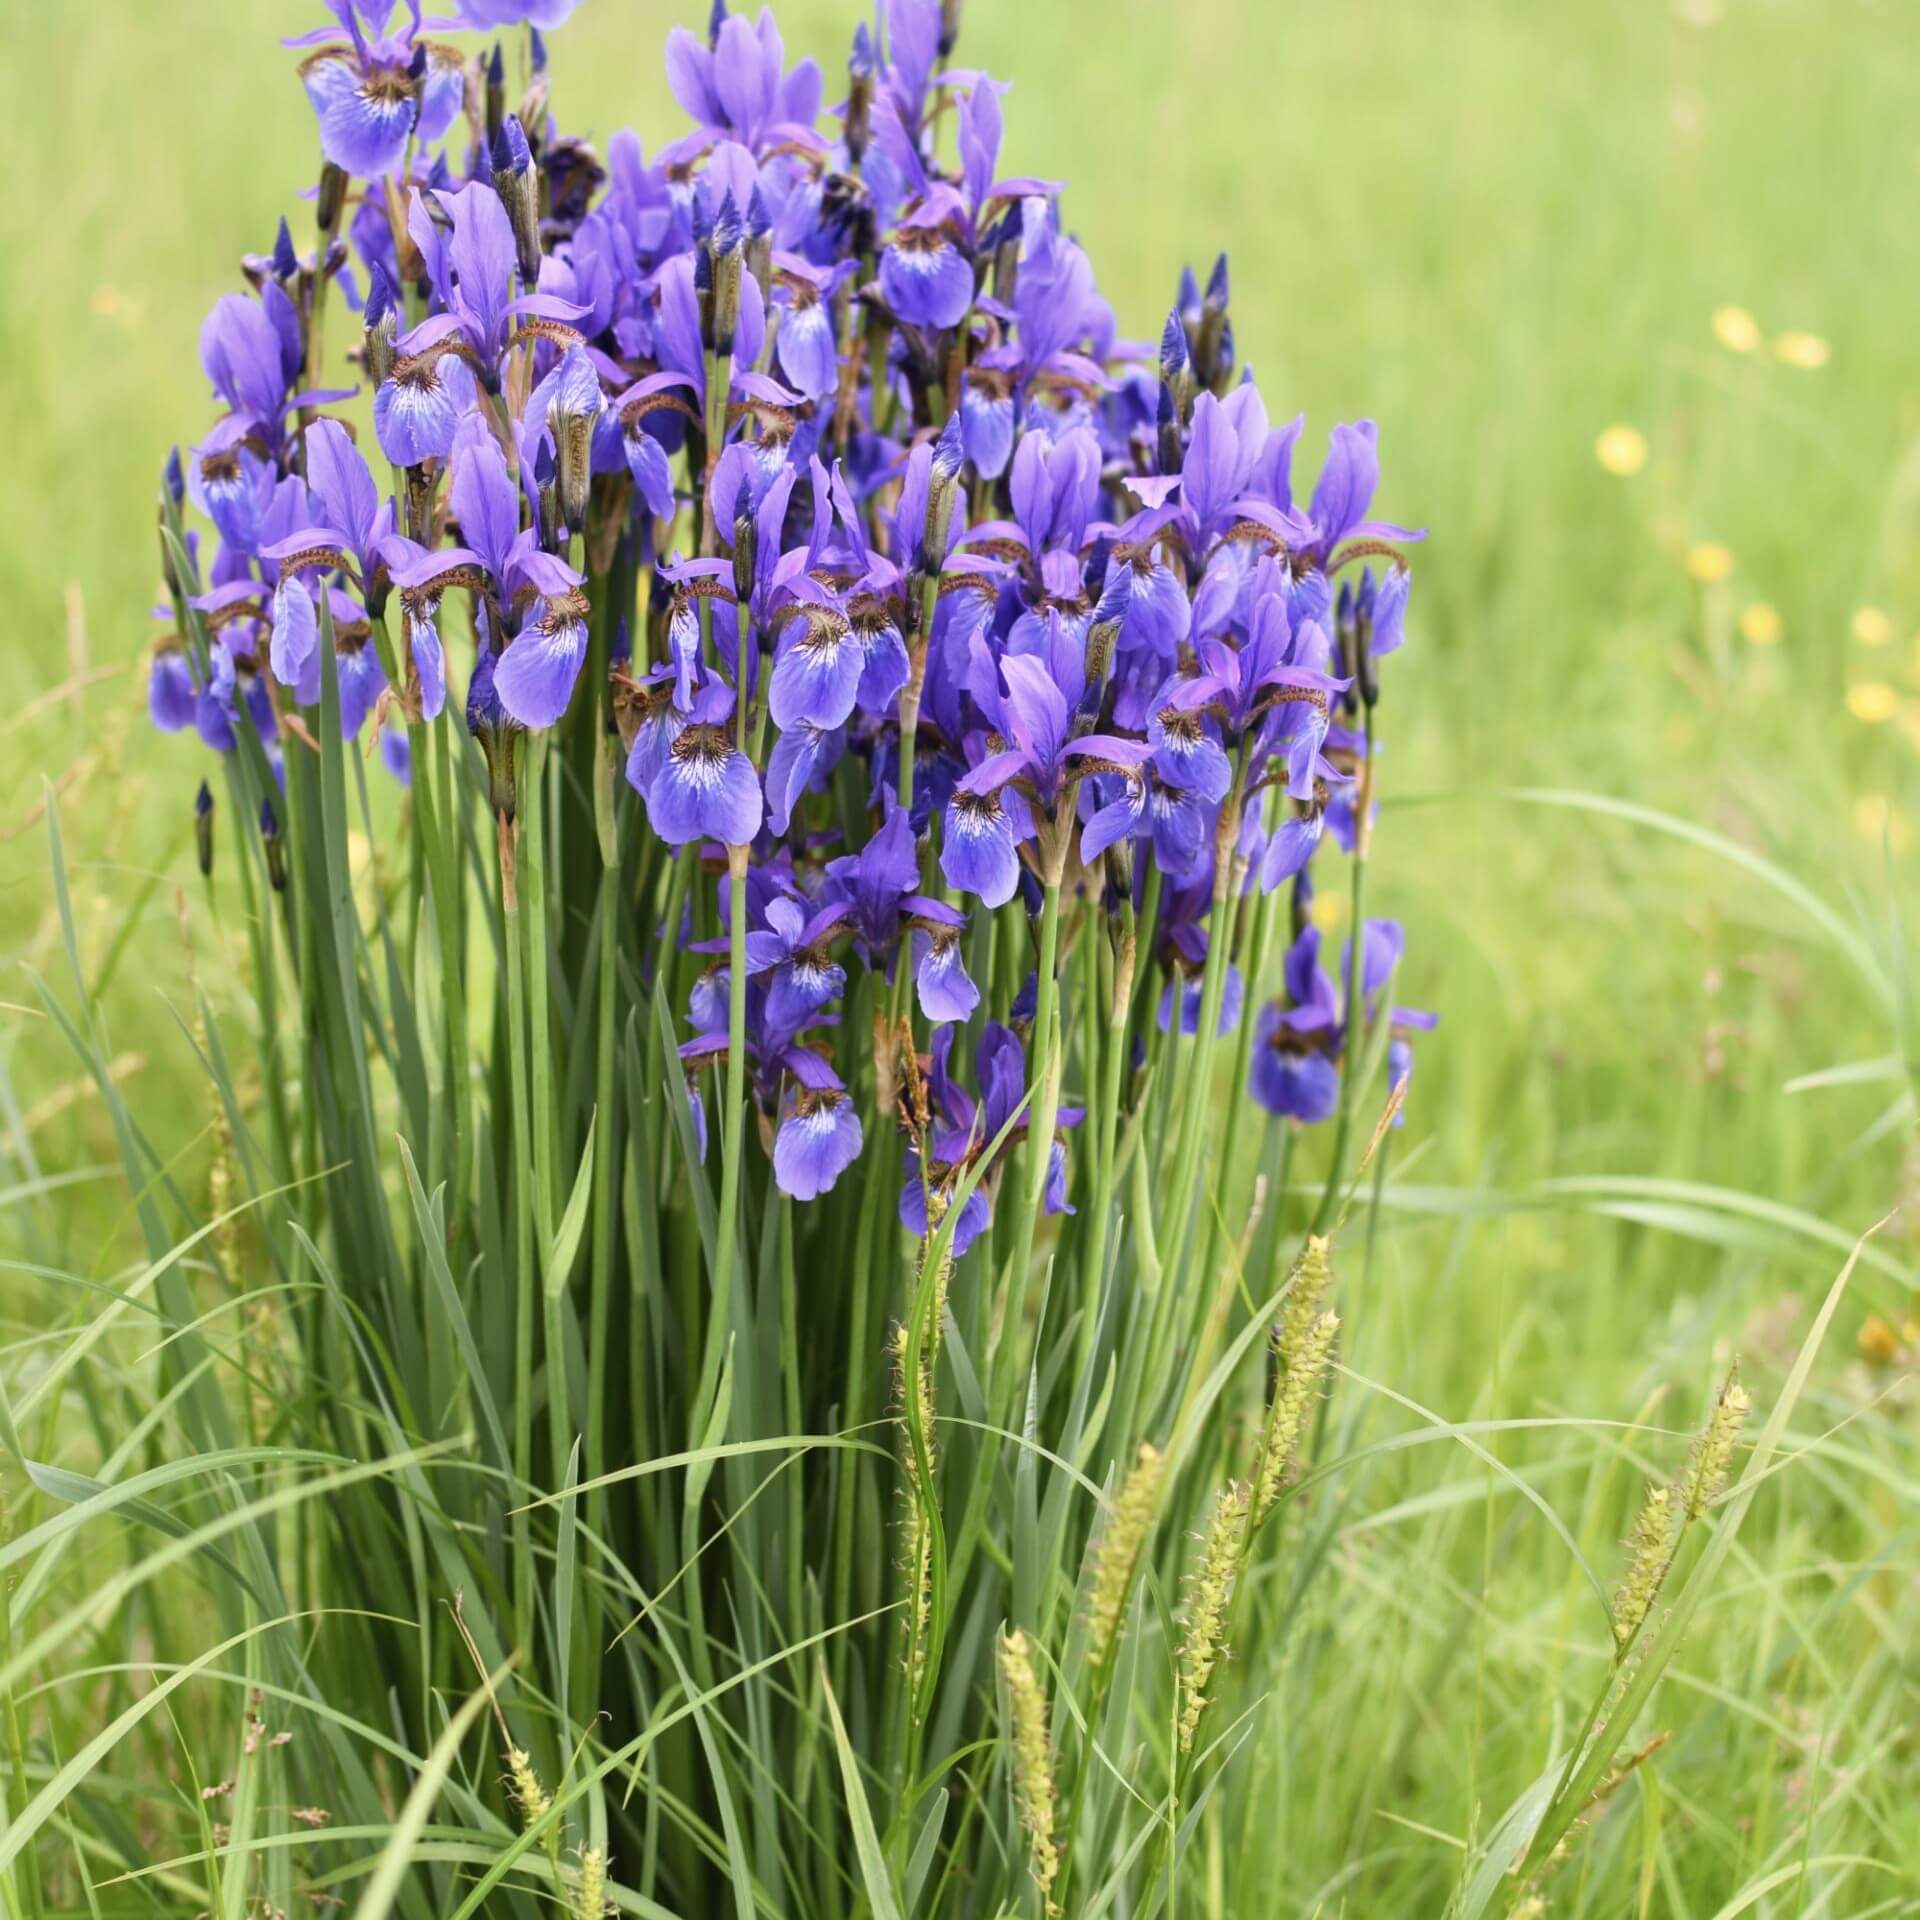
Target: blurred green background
point(1507, 231)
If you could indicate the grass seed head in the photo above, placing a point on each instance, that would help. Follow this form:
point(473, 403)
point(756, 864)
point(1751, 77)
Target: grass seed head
point(1649, 1555)
point(1119, 1552)
point(1713, 1450)
point(528, 1794)
point(1209, 1594)
point(1032, 1762)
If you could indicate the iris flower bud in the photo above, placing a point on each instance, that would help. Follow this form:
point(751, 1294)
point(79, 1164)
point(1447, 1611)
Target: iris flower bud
point(859, 93)
point(274, 846)
point(173, 477)
point(496, 70)
point(381, 322)
point(203, 829)
point(949, 457)
point(1176, 381)
point(716, 19)
point(1004, 244)
point(494, 728)
point(1167, 431)
point(724, 250)
point(519, 189)
point(286, 262)
point(744, 544)
point(332, 198)
point(533, 103)
point(577, 404)
point(1213, 337)
point(949, 26)
point(759, 256)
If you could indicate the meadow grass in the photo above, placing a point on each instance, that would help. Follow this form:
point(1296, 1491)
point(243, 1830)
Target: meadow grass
point(1630, 1155)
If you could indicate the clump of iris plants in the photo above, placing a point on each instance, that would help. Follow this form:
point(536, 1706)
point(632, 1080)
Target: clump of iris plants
point(872, 733)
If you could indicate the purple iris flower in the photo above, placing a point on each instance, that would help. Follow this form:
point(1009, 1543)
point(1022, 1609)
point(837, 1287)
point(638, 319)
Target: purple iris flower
point(1378, 608)
point(987, 411)
point(231, 484)
point(1054, 298)
point(1192, 991)
point(471, 269)
point(348, 513)
point(646, 452)
point(536, 671)
point(492, 14)
point(418, 408)
point(1345, 491)
point(818, 1140)
point(702, 786)
point(737, 85)
point(1295, 1074)
point(251, 352)
point(941, 981)
point(172, 698)
point(377, 92)
point(795, 950)
point(1054, 486)
point(963, 1130)
point(874, 882)
point(1034, 708)
point(817, 664)
point(924, 277)
point(396, 754)
point(804, 341)
point(1144, 594)
point(1140, 805)
point(1299, 1047)
point(357, 664)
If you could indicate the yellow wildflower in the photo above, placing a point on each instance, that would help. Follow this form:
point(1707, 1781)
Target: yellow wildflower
point(1621, 450)
point(1807, 351)
point(1709, 562)
point(1736, 329)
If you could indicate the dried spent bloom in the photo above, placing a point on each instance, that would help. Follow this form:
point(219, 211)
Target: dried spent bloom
point(1713, 1449)
point(1649, 1555)
point(1209, 1594)
point(1118, 1553)
point(1299, 1378)
point(1032, 1762)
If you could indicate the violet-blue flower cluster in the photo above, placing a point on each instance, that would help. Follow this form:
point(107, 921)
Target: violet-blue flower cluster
point(935, 594)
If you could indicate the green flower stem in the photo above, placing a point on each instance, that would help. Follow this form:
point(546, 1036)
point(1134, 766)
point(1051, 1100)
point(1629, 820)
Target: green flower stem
point(1031, 1182)
point(720, 1303)
point(1355, 1009)
point(916, 681)
point(1198, 1078)
point(526, 1281)
point(533, 807)
point(1112, 992)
